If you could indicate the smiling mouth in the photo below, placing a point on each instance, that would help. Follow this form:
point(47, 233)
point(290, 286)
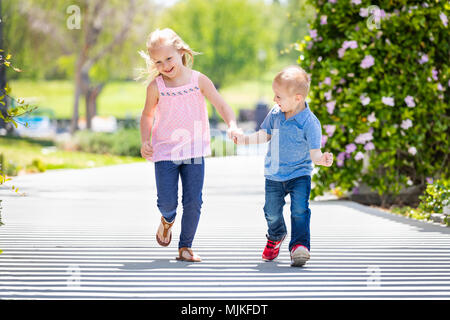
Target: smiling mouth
point(169, 71)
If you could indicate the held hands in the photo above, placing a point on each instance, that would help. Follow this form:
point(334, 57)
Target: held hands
point(236, 134)
point(326, 159)
point(147, 150)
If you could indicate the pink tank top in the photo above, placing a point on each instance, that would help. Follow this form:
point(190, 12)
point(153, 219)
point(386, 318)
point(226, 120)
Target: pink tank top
point(181, 127)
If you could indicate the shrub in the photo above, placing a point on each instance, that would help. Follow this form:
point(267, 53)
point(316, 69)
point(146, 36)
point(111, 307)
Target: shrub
point(436, 197)
point(125, 142)
point(36, 166)
point(382, 95)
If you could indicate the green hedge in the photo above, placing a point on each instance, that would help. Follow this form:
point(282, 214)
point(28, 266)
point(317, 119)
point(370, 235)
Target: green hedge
point(127, 142)
point(124, 142)
point(381, 94)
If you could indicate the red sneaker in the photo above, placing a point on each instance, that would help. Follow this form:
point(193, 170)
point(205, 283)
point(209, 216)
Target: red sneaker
point(272, 249)
point(299, 255)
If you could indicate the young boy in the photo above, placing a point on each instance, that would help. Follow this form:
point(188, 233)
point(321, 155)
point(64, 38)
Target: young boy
point(294, 133)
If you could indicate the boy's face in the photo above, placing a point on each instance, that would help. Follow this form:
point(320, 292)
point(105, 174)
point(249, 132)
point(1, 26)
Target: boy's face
point(167, 59)
point(286, 100)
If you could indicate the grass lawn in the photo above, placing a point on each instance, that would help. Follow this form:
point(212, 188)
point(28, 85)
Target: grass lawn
point(127, 98)
point(23, 152)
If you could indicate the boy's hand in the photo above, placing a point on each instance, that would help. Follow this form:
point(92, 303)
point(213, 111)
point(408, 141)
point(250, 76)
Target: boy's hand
point(326, 159)
point(147, 150)
point(239, 138)
point(235, 133)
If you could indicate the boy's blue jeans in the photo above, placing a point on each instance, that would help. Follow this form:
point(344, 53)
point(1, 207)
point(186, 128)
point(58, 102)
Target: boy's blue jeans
point(192, 176)
point(299, 190)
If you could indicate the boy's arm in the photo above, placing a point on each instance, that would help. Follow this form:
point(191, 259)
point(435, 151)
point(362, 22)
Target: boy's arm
point(210, 92)
point(255, 138)
point(321, 159)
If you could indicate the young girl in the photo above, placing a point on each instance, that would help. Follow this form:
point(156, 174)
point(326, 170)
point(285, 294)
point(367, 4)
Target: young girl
point(175, 133)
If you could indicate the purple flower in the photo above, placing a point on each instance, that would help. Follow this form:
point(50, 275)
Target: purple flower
point(371, 118)
point(330, 106)
point(327, 95)
point(423, 59)
point(364, 100)
point(340, 159)
point(444, 19)
point(356, 2)
point(410, 102)
point(341, 52)
point(350, 148)
point(359, 156)
point(412, 150)
point(364, 137)
point(429, 180)
point(434, 74)
point(313, 33)
point(327, 81)
point(440, 87)
point(388, 101)
point(332, 1)
point(364, 12)
point(367, 62)
point(369, 146)
point(350, 44)
point(330, 129)
point(324, 141)
point(406, 124)
point(341, 156)
point(323, 20)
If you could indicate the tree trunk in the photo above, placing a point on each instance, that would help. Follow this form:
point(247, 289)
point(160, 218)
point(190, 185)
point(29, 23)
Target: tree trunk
point(91, 103)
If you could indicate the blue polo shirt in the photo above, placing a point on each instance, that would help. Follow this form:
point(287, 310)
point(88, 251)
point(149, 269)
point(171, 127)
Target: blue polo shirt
point(288, 153)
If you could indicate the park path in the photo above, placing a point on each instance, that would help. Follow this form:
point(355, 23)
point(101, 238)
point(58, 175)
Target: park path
point(89, 234)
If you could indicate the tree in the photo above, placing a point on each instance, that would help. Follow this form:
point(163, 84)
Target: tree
point(104, 46)
point(380, 87)
point(95, 16)
point(292, 19)
point(229, 34)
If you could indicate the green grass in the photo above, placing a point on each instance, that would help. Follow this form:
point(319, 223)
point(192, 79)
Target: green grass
point(20, 153)
point(127, 98)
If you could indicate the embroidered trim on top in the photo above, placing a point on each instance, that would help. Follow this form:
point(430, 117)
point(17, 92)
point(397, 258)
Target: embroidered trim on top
point(180, 93)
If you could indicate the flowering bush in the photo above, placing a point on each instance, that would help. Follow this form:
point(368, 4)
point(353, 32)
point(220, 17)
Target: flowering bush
point(380, 87)
point(436, 197)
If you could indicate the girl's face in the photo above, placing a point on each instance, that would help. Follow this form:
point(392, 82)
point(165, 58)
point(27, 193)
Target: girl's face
point(167, 59)
point(287, 101)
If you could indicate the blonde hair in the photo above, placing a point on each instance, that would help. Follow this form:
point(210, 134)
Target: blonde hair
point(294, 79)
point(160, 38)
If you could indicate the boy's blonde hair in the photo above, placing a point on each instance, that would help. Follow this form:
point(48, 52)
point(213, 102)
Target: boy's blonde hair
point(160, 38)
point(294, 79)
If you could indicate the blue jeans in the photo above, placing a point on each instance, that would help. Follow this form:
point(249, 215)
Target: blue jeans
point(192, 175)
point(299, 190)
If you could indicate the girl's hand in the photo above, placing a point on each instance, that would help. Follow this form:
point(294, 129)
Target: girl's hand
point(327, 159)
point(236, 134)
point(239, 138)
point(147, 150)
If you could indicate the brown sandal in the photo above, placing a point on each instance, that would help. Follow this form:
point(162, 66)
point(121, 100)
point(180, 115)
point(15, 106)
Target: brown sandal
point(166, 226)
point(193, 257)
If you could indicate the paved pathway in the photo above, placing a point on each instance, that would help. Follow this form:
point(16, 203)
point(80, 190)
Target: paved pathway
point(89, 234)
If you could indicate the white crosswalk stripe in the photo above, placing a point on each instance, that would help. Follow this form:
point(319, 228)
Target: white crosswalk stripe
point(104, 248)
